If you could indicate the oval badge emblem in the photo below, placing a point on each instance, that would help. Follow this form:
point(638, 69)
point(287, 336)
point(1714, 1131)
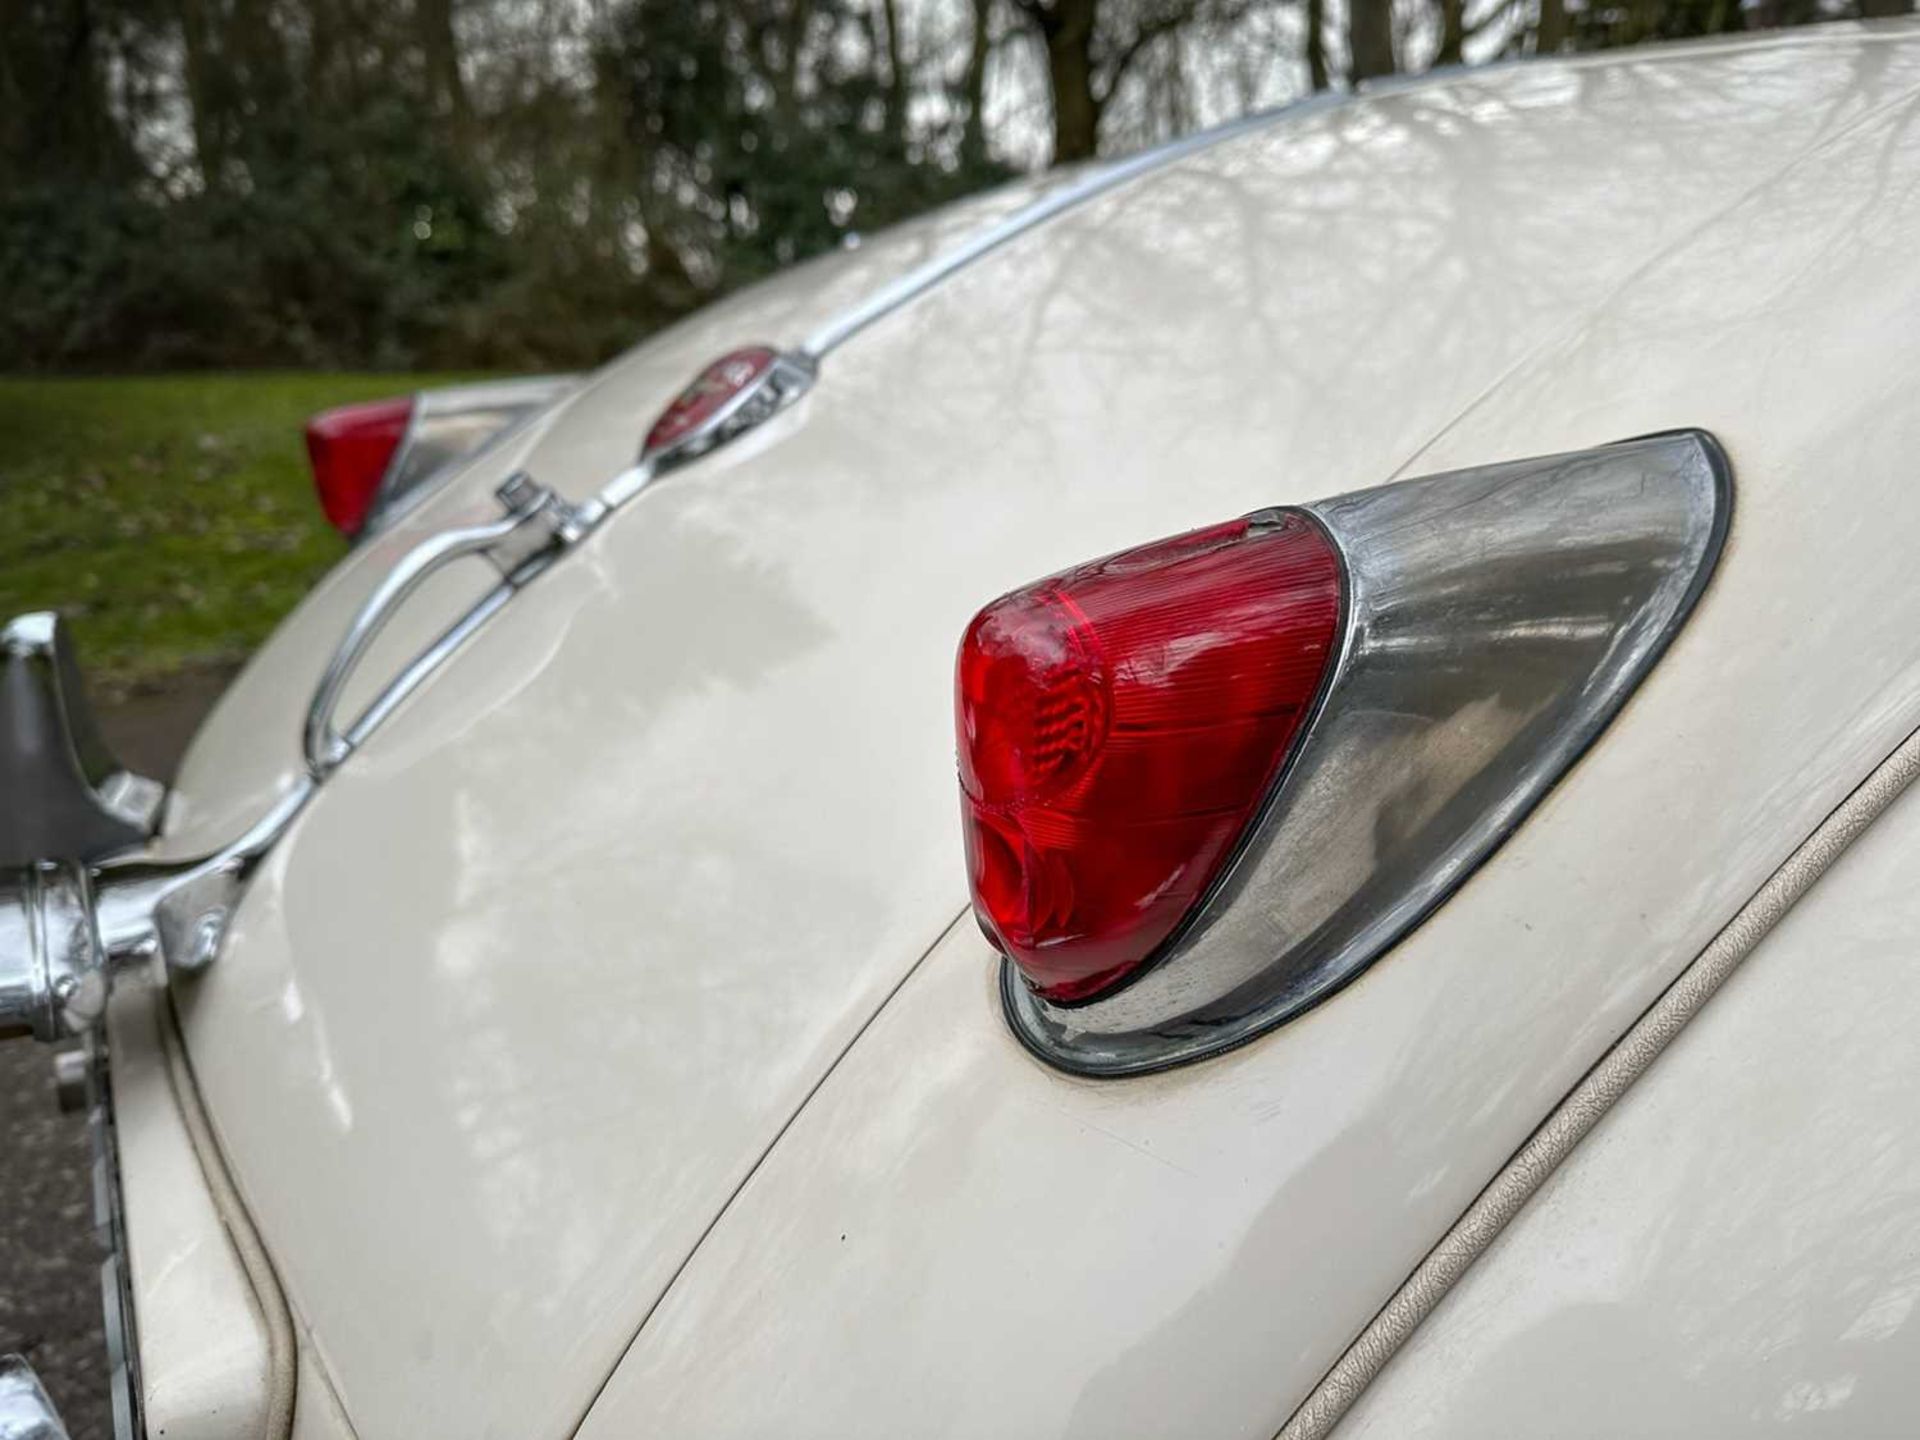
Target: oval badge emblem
point(731, 396)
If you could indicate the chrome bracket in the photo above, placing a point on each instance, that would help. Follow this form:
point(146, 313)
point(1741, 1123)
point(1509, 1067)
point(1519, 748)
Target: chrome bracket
point(535, 528)
point(53, 981)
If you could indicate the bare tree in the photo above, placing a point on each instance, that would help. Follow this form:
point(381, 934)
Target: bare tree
point(434, 21)
point(1369, 39)
point(973, 139)
point(500, 182)
point(1091, 45)
point(896, 71)
point(1316, 45)
point(1453, 32)
point(1550, 32)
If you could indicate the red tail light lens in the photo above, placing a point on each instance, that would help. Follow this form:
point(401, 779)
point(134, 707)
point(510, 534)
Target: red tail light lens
point(709, 393)
point(351, 448)
point(1119, 726)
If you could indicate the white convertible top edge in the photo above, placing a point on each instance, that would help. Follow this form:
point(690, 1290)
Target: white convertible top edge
point(1588, 1101)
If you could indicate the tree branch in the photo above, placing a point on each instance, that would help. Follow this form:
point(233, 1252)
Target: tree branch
point(1151, 30)
point(1475, 28)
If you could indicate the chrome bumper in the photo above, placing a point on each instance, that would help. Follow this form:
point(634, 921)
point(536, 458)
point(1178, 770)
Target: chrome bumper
point(25, 1411)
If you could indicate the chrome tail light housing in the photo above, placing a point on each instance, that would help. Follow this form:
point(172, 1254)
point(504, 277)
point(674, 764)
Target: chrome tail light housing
point(1494, 620)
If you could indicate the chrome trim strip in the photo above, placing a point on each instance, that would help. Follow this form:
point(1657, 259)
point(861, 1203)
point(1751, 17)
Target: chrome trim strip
point(1497, 620)
point(521, 392)
point(116, 1271)
point(416, 672)
point(1095, 182)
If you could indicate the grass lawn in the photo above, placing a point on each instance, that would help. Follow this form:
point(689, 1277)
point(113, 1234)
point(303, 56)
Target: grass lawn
point(172, 518)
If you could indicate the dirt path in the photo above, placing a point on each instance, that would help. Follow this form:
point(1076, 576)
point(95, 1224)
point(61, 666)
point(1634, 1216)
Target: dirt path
point(149, 731)
point(49, 1262)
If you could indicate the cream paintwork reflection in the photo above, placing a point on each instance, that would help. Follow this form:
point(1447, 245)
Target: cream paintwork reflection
point(1188, 1254)
point(591, 917)
point(1732, 1250)
point(293, 1013)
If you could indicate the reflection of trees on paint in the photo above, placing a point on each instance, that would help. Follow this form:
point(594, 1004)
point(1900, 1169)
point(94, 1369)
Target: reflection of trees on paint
point(503, 184)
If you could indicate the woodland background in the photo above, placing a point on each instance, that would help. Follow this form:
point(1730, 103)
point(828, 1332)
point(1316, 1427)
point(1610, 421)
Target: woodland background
point(508, 184)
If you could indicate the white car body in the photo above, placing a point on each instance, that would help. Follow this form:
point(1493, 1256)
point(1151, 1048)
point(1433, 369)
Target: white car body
point(606, 1049)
